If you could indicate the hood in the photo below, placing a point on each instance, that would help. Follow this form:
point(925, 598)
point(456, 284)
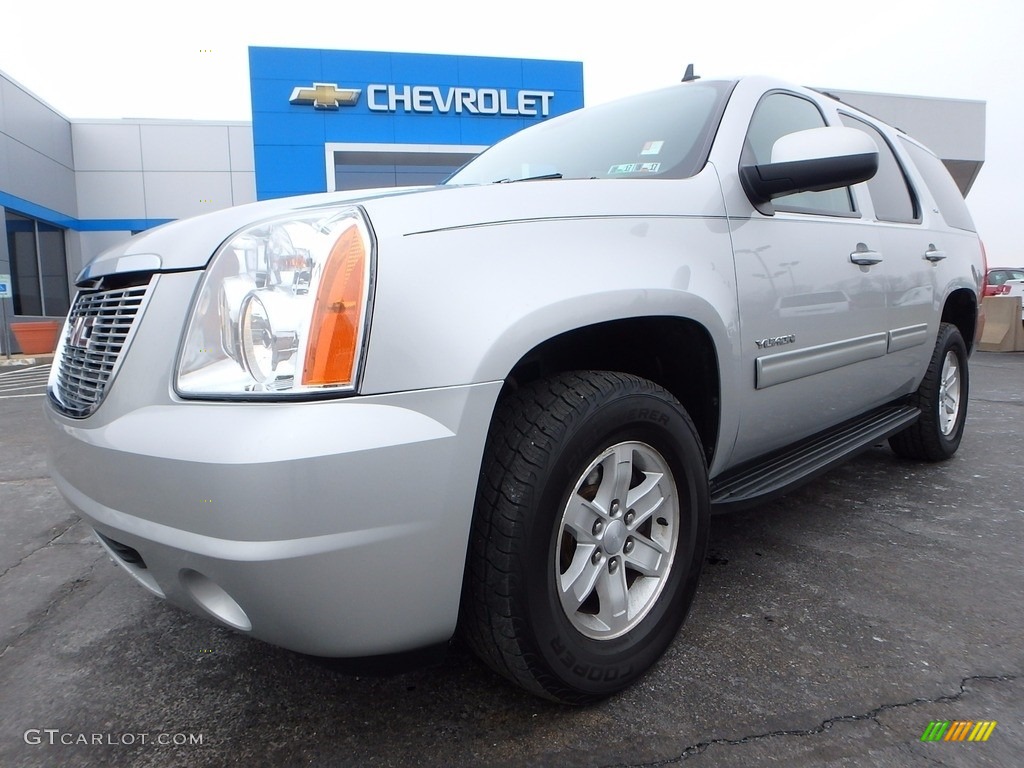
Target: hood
point(190, 243)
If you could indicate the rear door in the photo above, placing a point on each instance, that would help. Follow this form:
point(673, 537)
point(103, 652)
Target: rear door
point(912, 254)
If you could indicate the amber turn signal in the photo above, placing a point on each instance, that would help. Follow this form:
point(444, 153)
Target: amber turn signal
point(334, 332)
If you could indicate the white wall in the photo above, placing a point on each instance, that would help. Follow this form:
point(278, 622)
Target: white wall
point(954, 129)
point(109, 171)
point(161, 169)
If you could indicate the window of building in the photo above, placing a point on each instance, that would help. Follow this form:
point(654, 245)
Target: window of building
point(367, 166)
point(890, 193)
point(777, 115)
point(39, 269)
point(366, 170)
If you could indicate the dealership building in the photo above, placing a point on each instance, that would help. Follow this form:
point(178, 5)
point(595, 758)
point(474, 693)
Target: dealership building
point(322, 120)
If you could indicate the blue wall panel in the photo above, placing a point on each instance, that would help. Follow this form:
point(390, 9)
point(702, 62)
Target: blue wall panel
point(425, 69)
point(359, 66)
point(287, 63)
point(490, 73)
point(293, 169)
point(276, 128)
point(289, 139)
point(426, 129)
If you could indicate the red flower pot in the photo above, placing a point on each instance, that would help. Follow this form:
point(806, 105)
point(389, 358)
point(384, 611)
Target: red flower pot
point(38, 338)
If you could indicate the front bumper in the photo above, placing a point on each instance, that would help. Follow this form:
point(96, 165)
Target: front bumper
point(334, 528)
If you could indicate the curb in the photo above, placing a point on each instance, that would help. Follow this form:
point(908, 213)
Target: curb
point(25, 360)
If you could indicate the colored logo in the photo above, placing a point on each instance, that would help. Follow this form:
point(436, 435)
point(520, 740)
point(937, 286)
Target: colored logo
point(958, 730)
point(325, 96)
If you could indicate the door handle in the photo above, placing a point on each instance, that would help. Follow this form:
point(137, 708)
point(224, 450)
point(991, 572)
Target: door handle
point(864, 256)
point(933, 255)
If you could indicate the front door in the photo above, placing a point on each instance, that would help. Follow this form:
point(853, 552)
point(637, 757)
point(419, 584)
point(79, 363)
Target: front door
point(811, 285)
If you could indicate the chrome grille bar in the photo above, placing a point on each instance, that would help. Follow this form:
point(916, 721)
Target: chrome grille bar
point(95, 336)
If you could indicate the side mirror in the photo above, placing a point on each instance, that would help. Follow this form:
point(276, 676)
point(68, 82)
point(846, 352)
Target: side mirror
point(811, 161)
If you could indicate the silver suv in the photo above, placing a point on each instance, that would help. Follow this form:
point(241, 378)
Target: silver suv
point(348, 424)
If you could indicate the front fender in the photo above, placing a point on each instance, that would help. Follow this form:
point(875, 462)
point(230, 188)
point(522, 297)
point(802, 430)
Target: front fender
point(464, 305)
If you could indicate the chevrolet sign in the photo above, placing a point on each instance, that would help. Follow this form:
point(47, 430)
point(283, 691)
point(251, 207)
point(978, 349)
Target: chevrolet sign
point(325, 96)
point(475, 101)
point(428, 98)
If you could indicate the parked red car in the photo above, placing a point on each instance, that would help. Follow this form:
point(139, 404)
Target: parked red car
point(997, 277)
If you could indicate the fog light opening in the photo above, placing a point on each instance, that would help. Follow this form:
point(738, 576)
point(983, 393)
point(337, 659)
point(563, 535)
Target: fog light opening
point(213, 599)
point(130, 559)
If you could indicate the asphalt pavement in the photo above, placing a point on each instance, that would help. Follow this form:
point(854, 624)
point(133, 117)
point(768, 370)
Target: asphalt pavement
point(832, 628)
point(23, 381)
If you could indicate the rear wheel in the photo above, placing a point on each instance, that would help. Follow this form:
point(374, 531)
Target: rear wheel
point(942, 398)
point(589, 534)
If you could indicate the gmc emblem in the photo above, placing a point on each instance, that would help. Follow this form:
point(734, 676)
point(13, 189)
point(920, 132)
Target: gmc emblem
point(81, 331)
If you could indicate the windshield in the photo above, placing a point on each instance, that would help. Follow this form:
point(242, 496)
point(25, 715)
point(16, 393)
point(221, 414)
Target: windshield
point(661, 134)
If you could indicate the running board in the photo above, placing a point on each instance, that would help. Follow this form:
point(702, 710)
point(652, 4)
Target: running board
point(765, 478)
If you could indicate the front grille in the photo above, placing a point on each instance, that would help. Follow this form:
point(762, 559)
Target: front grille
point(96, 333)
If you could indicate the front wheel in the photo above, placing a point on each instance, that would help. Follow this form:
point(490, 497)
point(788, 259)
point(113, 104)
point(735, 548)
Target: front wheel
point(589, 534)
point(942, 398)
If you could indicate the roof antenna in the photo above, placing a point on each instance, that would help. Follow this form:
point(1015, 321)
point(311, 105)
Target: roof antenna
point(689, 76)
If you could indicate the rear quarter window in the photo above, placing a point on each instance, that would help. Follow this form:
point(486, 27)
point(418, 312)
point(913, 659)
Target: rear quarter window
point(944, 190)
point(890, 194)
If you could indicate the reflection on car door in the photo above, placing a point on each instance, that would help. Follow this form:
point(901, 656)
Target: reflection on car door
point(813, 322)
point(813, 325)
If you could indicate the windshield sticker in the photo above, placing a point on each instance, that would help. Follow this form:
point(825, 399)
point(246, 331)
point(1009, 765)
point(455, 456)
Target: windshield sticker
point(652, 147)
point(634, 168)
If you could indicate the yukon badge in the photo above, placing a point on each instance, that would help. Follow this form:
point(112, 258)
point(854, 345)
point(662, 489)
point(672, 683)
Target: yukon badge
point(774, 341)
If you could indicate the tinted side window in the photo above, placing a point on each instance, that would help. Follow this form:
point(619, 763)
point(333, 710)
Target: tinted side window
point(943, 188)
point(776, 115)
point(892, 197)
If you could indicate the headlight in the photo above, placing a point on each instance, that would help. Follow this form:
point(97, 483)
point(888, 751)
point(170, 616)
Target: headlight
point(282, 309)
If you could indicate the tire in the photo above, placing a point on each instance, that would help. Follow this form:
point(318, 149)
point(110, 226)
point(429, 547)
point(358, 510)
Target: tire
point(574, 586)
point(942, 398)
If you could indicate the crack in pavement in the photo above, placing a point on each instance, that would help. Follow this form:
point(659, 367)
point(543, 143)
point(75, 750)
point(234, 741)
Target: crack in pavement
point(63, 594)
point(60, 532)
point(701, 747)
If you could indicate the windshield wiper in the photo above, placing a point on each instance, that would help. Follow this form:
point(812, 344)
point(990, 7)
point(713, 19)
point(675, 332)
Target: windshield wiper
point(542, 177)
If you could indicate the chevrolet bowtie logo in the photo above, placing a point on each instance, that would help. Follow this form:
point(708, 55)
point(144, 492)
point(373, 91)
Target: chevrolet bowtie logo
point(325, 96)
